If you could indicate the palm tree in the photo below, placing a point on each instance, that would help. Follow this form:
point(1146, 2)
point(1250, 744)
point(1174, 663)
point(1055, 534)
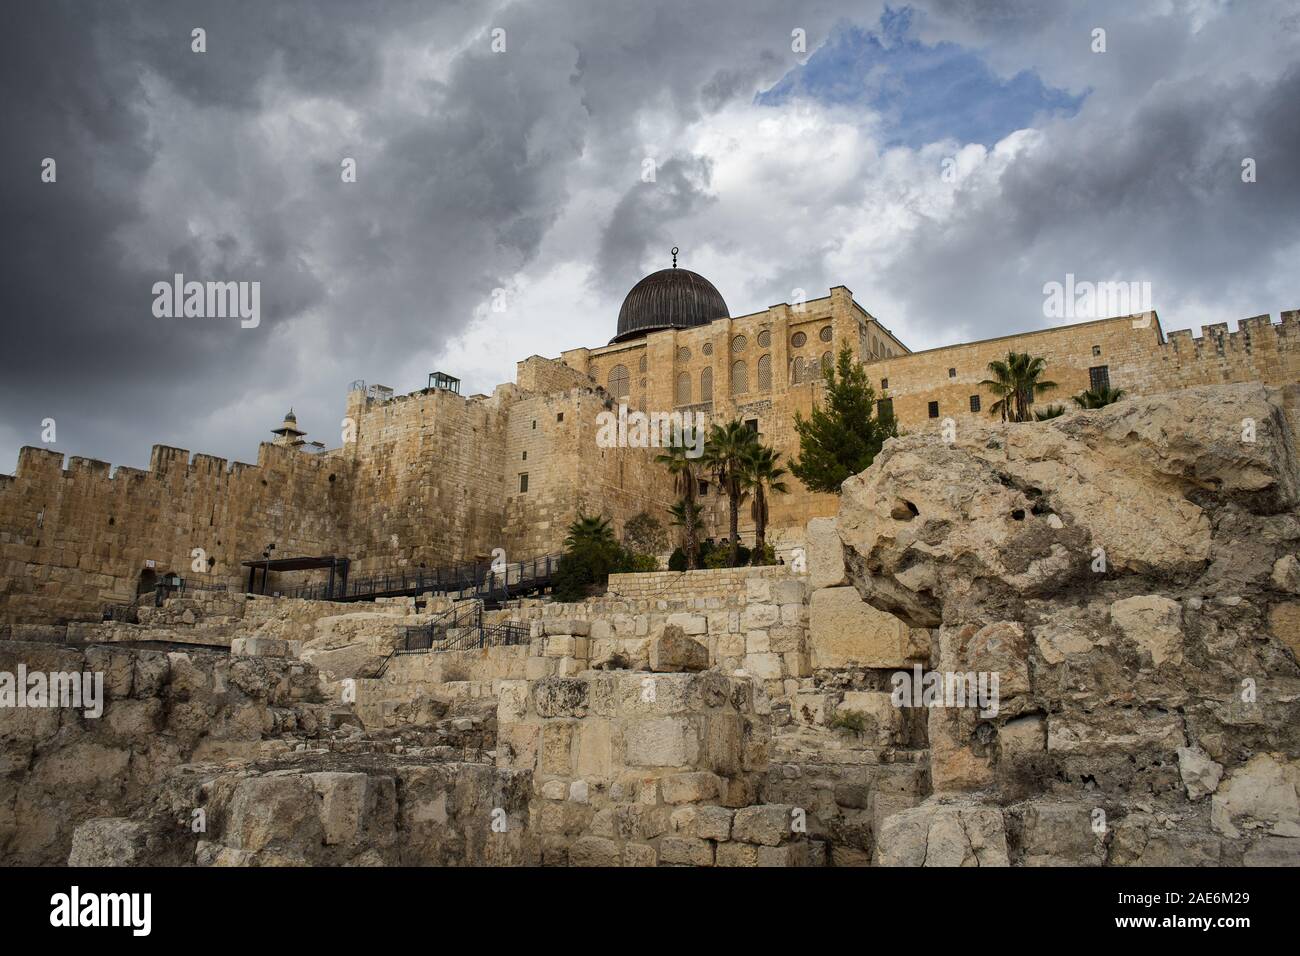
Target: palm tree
point(682, 466)
point(1051, 411)
point(760, 474)
point(1016, 381)
point(1098, 397)
point(686, 515)
point(724, 455)
point(590, 533)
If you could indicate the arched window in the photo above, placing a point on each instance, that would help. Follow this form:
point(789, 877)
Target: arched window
point(827, 360)
point(618, 381)
point(739, 378)
point(706, 385)
point(641, 364)
point(684, 388)
point(798, 373)
point(765, 372)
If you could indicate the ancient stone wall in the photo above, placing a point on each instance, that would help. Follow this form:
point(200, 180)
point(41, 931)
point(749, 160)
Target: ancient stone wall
point(553, 440)
point(72, 541)
point(430, 478)
point(62, 766)
point(1130, 348)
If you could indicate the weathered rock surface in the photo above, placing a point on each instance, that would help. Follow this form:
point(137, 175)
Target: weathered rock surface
point(673, 651)
point(59, 767)
point(1128, 574)
point(323, 810)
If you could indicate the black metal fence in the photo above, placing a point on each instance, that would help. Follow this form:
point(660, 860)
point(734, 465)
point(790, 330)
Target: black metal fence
point(481, 580)
point(462, 629)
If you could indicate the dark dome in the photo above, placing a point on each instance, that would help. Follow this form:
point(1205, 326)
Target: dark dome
point(669, 299)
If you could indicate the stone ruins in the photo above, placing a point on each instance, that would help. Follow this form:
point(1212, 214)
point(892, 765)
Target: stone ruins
point(1069, 642)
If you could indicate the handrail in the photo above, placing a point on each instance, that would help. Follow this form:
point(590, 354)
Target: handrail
point(477, 578)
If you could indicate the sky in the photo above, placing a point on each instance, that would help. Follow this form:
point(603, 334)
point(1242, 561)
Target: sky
point(519, 166)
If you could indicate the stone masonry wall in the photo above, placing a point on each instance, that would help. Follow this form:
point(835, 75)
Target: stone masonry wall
point(72, 541)
point(1130, 347)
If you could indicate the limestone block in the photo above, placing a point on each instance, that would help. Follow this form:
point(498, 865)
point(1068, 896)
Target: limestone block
point(1286, 574)
point(792, 854)
point(713, 823)
point(689, 787)
point(661, 742)
point(936, 834)
point(108, 841)
point(756, 617)
point(342, 804)
point(1200, 774)
point(1152, 622)
point(784, 640)
point(595, 750)
point(566, 626)
point(764, 666)
point(673, 651)
point(639, 854)
point(689, 623)
point(884, 719)
point(1262, 792)
point(1022, 737)
point(685, 851)
point(789, 592)
point(258, 647)
point(810, 707)
point(825, 554)
point(737, 854)
point(594, 851)
point(556, 753)
point(682, 821)
point(767, 824)
point(844, 630)
point(1284, 623)
point(554, 790)
point(512, 701)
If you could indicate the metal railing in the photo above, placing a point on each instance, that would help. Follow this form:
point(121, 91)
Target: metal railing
point(461, 628)
point(123, 613)
point(476, 579)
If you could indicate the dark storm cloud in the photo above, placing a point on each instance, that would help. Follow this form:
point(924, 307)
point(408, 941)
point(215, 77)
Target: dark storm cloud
point(1156, 197)
point(225, 165)
point(643, 218)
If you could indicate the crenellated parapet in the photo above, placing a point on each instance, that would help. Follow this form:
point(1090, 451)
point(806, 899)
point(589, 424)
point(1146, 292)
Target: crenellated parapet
point(1260, 349)
point(74, 538)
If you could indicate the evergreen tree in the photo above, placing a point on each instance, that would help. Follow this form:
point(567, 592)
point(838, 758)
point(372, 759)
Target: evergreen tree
point(843, 435)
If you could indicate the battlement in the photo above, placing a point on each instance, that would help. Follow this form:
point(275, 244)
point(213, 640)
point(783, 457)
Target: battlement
point(164, 461)
point(1252, 333)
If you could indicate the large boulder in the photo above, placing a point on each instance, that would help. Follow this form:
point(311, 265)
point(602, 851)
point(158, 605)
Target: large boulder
point(1127, 574)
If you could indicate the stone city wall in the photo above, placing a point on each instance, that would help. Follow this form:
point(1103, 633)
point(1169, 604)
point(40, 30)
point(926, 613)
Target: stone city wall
point(72, 541)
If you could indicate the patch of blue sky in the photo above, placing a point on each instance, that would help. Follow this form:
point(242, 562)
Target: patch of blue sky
point(924, 93)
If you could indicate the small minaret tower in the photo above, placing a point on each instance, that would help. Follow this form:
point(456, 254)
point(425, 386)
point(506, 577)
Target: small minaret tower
point(289, 433)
